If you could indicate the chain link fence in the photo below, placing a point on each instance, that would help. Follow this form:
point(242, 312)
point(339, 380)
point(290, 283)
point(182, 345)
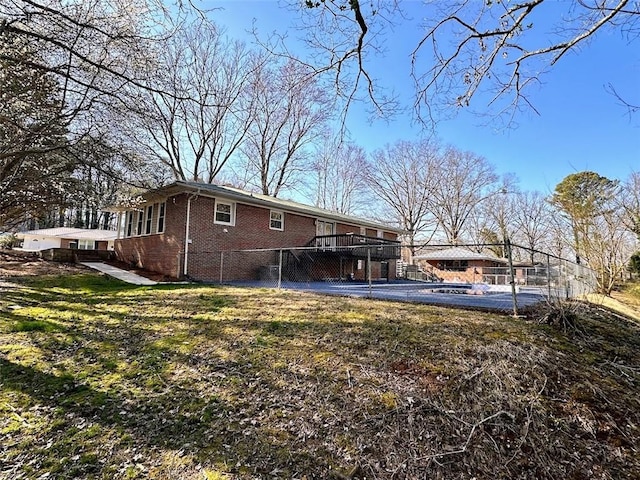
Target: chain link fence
point(326, 263)
point(500, 264)
point(496, 276)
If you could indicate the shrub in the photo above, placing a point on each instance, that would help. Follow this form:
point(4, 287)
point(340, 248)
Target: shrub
point(8, 241)
point(634, 264)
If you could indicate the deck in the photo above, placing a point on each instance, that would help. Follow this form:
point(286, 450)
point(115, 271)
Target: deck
point(355, 246)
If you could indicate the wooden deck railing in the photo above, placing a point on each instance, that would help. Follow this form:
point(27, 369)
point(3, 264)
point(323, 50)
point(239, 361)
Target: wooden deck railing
point(353, 245)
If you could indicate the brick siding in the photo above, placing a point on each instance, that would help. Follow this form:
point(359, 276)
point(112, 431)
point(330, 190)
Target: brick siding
point(164, 252)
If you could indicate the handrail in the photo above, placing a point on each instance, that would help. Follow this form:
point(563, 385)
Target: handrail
point(357, 245)
point(350, 240)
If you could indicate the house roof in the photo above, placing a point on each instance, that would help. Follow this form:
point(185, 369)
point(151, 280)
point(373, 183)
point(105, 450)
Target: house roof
point(458, 253)
point(243, 196)
point(68, 232)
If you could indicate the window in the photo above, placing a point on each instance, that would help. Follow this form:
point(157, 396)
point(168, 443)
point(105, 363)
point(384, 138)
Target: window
point(224, 213)
point(129, 224)
point(454, 265)
point(149, 217)
point(324, 233)
point(161, 209)
point(277, 220)
point(363, 231)
point(140, 223)
point(84, 244)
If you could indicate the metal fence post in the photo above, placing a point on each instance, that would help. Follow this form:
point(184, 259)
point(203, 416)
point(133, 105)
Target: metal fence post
point(565, 279)
point(221, 265)
point(507, 245)
point(549, 275)
point(280, 271)
point(369, 269)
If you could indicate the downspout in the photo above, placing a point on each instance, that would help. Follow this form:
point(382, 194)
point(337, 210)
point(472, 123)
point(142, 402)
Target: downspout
point(187, 241)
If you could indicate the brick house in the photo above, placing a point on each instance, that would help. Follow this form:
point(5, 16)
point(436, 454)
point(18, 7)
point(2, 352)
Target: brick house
point(67, 237)
point(458, 264)
point(195, 230)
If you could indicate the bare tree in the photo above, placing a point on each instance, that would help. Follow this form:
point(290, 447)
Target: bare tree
point(463, 181)
point(403, 177)
point(556, 241)
point(631, 203)
point(92, 55)
point(530, 215)
point(104, 174)
point(198, 120)
point(493, 215)
point(93, 45)
point(609, 248)
point(468, 45)
point(289, 112)
point(339, 184)
point(341, 36)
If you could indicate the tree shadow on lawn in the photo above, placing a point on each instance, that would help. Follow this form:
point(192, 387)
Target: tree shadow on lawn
point(261, 392)
point(210, 429)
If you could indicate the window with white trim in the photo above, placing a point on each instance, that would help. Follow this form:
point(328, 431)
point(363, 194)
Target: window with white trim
point(84, 244)
point(276, 221)
point(129, 224)
point(161, 213)
point(140, 222)
point(148, 219)
point(225, 213)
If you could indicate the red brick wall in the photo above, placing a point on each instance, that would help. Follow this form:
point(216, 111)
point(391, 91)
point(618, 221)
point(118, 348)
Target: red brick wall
point(164, 252)
point(160, 252)
point(473, 272)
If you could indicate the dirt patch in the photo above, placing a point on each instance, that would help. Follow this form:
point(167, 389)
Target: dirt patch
point(27, 264)
point(21, 264)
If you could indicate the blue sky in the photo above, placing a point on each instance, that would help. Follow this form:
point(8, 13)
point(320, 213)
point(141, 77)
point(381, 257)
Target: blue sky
point(580, 126)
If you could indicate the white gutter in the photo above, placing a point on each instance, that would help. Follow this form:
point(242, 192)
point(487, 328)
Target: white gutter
point(187, 240)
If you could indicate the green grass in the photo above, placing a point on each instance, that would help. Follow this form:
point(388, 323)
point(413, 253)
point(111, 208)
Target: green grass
point(103, 380)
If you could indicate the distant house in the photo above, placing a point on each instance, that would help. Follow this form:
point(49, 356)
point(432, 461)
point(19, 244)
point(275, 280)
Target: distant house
point(65, 237)
point(189, 230)
point(461, 264)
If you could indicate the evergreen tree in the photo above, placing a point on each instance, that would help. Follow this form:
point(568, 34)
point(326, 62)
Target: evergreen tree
point(34, 170)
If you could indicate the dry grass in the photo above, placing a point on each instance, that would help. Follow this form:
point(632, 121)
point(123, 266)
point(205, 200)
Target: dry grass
point(104, 380)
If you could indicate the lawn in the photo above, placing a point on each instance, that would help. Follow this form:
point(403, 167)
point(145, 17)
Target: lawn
point(104, 380)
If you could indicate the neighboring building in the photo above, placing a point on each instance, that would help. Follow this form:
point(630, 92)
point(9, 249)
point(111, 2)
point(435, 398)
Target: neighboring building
point(458, 264)
point(65, 237)
point(189, 230)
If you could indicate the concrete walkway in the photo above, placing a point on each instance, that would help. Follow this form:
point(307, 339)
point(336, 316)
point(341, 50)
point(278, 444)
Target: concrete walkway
point(118, 273)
